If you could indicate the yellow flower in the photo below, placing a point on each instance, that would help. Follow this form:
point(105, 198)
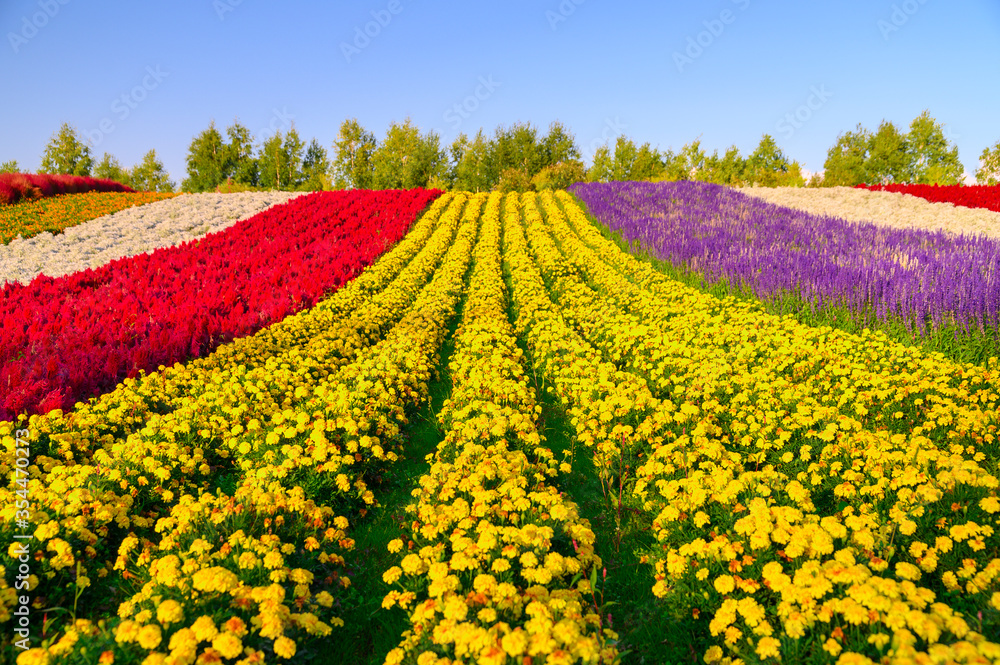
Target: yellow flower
point(514, 642)
point(769, 647)
point(169, 611)
point(149, 637)
point(204, 628)
point(832, 647)
point(395, 545)
point(227, 644)
point(725, 584)
point(284, 647)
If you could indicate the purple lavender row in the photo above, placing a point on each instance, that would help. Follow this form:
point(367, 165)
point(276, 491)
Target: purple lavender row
point(719, 233)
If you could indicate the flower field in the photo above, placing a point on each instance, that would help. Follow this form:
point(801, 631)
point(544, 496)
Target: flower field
point(29, 218)
point(969, 196)
point(921, 283)
point(88, 330)
point(135, 230)
point(15, 187)
point(505, 440)
point(883, 208)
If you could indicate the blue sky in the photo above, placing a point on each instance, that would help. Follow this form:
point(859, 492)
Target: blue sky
point(139, 75)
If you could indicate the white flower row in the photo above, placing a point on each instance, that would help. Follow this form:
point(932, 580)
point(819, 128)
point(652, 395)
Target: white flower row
point(884, 208)
point(130, 232)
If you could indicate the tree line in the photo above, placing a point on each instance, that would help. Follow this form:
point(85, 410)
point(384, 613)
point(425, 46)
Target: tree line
point(517, 157)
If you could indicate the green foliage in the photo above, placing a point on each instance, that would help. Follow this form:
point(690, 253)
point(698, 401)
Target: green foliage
point(931, 158)
point(726, 170)
point(149, 175)
point(768, 166)
point(601, 169)
point(888, 159)
point(988, 172)
point(110, 168)
point(559, 175)
point(514, 179)
point(845, 160)
point(406, 158)
point(634, 163)
point(352, 156)
point(559, 146)
point(470, 163)
point(239, 164)
point(206, 161)
point(66, 153)
point(280, 161)
point(10, 166)
point(315, 168)
point(923, 155)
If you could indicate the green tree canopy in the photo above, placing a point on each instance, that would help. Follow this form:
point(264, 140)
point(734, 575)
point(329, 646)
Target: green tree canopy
point(846, 159)
point(280, 161)
point(150, 176)
point(602, 167)
point(66, 153)
point(988, 172)
point(888, 156)
point(207, 161)
point(110, 168)
point(559, 175)
point(470, 161)
point(240, 164)
point(406, 158)
point(352, 156)
point(10, 166)
point(559, 146)
point(931, 158)
point(315, 168)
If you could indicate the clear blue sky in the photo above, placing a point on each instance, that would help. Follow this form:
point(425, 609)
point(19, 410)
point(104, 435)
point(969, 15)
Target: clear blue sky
point(156, 72)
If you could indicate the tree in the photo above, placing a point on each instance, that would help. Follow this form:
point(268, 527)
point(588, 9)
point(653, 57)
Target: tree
point(846, 159)
point(406, 159)
point(240, 163)
point(726, 170)
point(110, 168)
point(207, 161)
point(768, 166)
point(558, 146)
point(471, 163)
point(316, 168)
point(888, 157)
point(150, 176)
point(931, 158)
point(603, 165)
point(66, 153)
point(10, 166)
point(988, 172)
point(687, 164)
point(513, 179)
point(280, 161)
point(352, 156)
point(516, 147)
point(559, 175)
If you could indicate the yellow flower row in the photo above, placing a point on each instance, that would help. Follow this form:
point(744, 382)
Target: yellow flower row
point(217, 551)
point(499, 567)
point(736, 440)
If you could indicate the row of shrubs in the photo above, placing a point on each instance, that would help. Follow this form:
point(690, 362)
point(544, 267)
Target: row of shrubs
point(15, 187)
